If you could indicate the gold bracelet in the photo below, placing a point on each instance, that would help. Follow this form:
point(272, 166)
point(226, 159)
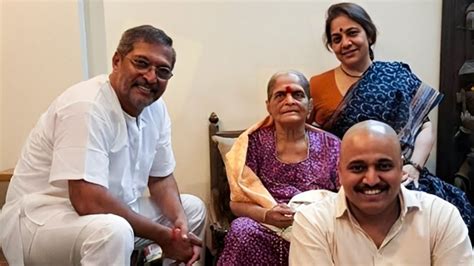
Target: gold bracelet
point(265, 215)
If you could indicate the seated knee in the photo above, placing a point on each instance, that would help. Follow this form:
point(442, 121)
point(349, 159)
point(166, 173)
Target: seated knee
point(194, 207)
point(110, 227)
point(244, 226)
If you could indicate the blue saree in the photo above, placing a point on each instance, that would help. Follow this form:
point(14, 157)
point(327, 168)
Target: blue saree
point(391, 93)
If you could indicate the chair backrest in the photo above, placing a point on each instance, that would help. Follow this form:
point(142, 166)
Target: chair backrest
point(220, 192)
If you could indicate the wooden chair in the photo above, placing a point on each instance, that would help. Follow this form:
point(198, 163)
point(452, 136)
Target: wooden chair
point(3, 260)
point(220, 191)
point(5, 176)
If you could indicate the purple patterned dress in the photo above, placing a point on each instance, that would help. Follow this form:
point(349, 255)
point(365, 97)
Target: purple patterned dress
point(250, 243)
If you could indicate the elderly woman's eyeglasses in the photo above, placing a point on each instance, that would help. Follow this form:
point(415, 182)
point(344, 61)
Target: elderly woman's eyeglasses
point(143, 66)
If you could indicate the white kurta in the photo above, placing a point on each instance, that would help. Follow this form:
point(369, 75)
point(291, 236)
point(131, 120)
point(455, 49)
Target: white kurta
point(84, 134)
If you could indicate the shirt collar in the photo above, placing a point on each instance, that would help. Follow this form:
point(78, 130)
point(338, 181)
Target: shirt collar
point(140, 121)
point(409, 200)
point(341, 205)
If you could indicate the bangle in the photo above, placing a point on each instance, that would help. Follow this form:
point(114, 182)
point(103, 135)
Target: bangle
point(417, 166)
point(265, 215)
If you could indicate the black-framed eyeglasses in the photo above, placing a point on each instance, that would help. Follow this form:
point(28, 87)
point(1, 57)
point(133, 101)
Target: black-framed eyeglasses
point(143, 66)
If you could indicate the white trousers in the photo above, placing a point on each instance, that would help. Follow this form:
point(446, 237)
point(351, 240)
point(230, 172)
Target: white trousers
point(100, 239)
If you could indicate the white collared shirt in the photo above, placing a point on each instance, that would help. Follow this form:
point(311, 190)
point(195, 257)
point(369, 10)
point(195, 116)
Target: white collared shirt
point(429, 231)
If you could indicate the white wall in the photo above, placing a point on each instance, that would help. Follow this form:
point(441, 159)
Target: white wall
point(227, 50)
point(40, 57)
point(95, 30)
point(3, 187)
point(1, 84)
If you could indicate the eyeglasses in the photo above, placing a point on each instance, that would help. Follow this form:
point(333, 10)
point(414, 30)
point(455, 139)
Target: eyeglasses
point(143, 66)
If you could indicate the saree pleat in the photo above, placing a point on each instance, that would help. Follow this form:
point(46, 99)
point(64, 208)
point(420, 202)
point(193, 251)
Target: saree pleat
point(425, 99)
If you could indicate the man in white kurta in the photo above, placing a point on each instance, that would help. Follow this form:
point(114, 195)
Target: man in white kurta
point(374, 220)
point(76, 196)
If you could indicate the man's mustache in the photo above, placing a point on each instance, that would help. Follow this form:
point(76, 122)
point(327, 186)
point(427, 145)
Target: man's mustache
point(380, 186)
point(153, 87)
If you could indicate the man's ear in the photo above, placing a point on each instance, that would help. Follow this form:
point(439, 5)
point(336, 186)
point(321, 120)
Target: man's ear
point(116, 60)
point(338, 171)
point(267, 103)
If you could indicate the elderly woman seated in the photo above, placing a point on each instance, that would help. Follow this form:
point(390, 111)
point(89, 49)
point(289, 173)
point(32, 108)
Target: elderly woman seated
point(271, 162)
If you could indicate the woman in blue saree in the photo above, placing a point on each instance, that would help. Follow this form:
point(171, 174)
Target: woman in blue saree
point(360, 89)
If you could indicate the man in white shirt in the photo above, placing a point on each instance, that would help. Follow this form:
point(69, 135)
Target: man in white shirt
point(374, 220)
point(76, 196)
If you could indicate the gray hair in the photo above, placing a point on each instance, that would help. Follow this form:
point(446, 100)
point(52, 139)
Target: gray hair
point(144, 33)
point(302, 81)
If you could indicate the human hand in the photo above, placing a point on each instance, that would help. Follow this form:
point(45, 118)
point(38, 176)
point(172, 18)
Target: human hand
point(197, 246)
point(178, 247)
point(410, 174)
point(183, 226)
point(195, 240)
point(196, 255)
point(281, 215)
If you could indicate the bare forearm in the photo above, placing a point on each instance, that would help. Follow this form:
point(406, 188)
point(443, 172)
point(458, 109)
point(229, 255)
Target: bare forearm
point(423, 144)
point(165, 194)
point(100, 201)
point(251, 210)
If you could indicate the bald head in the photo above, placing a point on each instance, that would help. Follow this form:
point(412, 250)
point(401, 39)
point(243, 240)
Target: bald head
point(371, 129)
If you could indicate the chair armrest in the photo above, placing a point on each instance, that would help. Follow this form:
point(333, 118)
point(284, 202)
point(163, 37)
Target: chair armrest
point(6, 175)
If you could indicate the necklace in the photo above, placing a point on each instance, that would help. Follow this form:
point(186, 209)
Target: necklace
point(348, 74)
point(277, 155)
